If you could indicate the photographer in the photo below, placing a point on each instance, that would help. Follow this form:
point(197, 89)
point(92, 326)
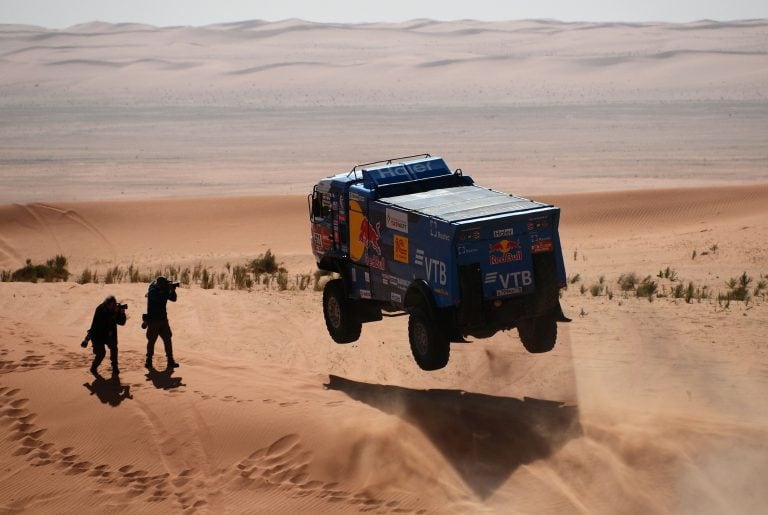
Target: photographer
point(156, 319)
point(103, 332)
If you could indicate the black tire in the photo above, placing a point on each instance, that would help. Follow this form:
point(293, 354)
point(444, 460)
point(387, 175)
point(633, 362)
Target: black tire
point(340, 319)
point(538, 334)
point(430, 345)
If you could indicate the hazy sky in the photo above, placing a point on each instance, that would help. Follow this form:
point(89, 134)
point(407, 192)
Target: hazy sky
point(63, 13)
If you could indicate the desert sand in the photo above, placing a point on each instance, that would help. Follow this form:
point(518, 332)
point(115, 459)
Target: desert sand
point(125, 144)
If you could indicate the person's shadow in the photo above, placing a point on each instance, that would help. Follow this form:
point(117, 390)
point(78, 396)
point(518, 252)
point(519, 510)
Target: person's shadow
point(485, 438)
point(163, 379)
point(109, 391)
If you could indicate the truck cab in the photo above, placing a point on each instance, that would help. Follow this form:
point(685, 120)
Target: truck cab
point(410, 236)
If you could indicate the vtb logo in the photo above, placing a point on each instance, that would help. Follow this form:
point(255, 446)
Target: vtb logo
point(435, 269)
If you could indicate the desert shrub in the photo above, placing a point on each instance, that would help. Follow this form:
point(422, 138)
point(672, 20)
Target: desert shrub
point(207, 280)
point(689, 293)
point(303, 281)
point(133, 274)
point(87, 276)
point(628, 281)
point(5, 276)
point(241, 277)
point(114, 275)
point(265, 264)
point(282, 281)
point(693, 254)
point(576, 278)
point(595, 289)
point(678, 291)
point(760, 288)
point(739, 287)
point(53, 270)
point(647, 288)
point(667, 273)
point(185, 276)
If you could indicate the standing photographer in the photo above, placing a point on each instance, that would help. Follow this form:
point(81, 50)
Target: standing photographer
point(156, 319)
point(103, 333)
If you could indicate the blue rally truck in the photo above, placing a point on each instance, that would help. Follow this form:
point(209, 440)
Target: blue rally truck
point(409, 236)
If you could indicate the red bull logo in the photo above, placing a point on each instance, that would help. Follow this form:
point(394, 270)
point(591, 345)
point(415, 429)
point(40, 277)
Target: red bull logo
point(370, 235)
point(505, 251)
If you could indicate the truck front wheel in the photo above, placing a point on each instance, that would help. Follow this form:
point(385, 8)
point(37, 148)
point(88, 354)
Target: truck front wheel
point(340, 319)
point(429, 343)
point(538, 334)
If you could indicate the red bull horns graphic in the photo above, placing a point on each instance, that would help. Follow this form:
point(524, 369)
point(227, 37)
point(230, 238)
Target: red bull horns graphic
point(370, 235)
point(505, 251)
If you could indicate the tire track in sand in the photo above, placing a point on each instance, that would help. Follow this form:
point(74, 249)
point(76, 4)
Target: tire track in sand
point(74, 216)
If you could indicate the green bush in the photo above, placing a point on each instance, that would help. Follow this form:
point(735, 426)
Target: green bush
point(264, 264)
point(53, 270)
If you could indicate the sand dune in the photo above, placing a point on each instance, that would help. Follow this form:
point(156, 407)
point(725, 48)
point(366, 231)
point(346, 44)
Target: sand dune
point(642, 407)
point(259, 108)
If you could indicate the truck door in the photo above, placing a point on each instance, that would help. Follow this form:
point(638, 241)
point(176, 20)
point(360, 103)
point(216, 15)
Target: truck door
point(322, 224)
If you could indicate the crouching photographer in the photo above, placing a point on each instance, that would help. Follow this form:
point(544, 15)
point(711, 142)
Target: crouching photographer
point(155, 321)
point(103, 333)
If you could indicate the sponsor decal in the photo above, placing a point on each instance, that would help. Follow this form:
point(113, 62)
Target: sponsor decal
point(435, 232)
point(435, 269)
point(508, 291)
point(397, 220)
point(370, 235)
point(505, 251)
point(396, 298)
point(542, 246)
point(401, 249)
point(463, 249)
point(376, 262)
point(470, 235)
point(501, 233)
point(442, 291)
point(541, 222)
point(510, 280)
point(321, 238)
point(365, 294)
point(395, 282)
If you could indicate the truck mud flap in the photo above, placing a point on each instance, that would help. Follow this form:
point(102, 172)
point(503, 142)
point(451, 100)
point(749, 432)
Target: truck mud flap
point(471, 287)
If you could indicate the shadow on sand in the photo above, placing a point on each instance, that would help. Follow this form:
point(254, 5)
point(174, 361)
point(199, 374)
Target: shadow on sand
point(163, 379)
point(109, 391)
point(485, 438)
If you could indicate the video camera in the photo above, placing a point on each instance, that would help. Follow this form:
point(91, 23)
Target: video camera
point(174, 284)
point(122, 306)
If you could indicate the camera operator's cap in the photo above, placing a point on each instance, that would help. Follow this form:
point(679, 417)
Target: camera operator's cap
point(161, 279)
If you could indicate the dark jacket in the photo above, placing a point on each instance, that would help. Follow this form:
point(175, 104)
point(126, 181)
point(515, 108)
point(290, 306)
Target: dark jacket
point(157, 297)
point(103, 329)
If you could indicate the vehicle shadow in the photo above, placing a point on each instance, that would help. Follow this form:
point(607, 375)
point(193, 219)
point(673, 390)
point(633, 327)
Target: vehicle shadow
point(485, 438)
point(163, 379)
point(109, 391)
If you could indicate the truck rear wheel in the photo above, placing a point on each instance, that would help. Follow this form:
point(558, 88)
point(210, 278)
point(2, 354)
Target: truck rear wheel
point(429, 343)
point(340, 319)
point(538, 334)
